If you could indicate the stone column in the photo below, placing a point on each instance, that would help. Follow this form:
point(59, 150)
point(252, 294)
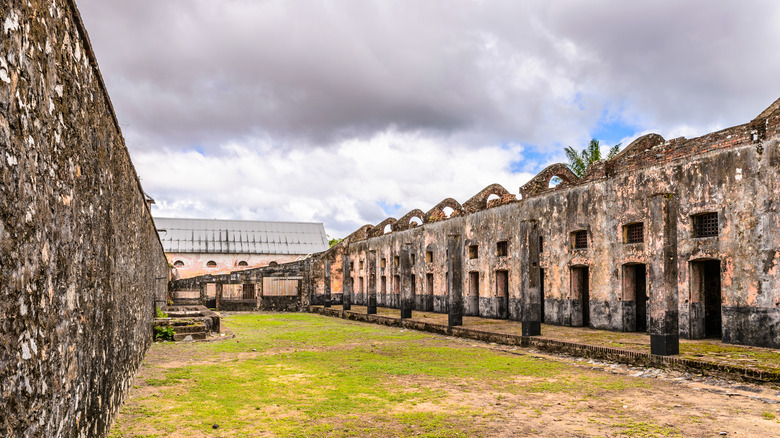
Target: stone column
point(455, 268)
point(662, 275)
point(371, 266)
point(203, 293)
point(532, 306)
point(218, 292)
point(326, 280)
point(346, 283)
point(405, 272)
point(259, 289)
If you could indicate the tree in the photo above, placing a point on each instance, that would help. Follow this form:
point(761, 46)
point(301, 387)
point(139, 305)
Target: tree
point(333, 242)
point(579, 162)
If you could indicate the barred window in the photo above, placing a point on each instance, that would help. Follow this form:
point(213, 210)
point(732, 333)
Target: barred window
point(473, 251)
point(428, 256)
point(705, 225)
point(211, 264)
point(178, 264)
point(580, 239)
point(634, 233)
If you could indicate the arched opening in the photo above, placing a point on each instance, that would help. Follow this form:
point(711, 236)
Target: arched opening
point(448, 211)
point(388, 228)
point(211, 264)
point(492, 197)
point(553, 182)
point(272, 263)
point(178, 264)
point(243, 263)
point(415, 221)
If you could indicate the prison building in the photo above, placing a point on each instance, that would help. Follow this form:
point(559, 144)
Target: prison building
point(677, 238)
point(210, 247)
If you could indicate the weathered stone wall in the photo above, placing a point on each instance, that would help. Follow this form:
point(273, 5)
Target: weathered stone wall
point(80, 260)
point(661, 184)
point(298, 270)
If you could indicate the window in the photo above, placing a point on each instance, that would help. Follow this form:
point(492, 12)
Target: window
point(502, 249)
point(272, 263)
point(178, 264)
point(248, 291)
point(473, 251)
point(211, 264)
point(579, 239)
point(413, 259)
point(705, 225)
point(634, 233)
point(428, 256)
point(351, 266)
point(541, 244)
point(243, 263)
point(361, 265)
point(384, 262)
point(396, 261)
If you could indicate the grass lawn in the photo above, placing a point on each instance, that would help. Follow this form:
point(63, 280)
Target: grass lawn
point(304, 375)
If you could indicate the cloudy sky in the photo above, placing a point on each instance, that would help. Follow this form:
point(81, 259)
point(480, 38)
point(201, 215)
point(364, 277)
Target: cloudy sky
point(347, 112)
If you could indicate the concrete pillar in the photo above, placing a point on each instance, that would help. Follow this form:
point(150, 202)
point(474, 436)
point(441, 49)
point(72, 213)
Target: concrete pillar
point(455, 278)
point(532, 306)
point(346, 282)
point(259, 290)
point(662, 275)
point(203, 293)
point(371, 267)
point(326, 280)
point(218, 287)
point(405, 272)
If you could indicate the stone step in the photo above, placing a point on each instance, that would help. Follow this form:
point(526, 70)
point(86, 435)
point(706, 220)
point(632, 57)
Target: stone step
point(192, 328)
point(189, 336)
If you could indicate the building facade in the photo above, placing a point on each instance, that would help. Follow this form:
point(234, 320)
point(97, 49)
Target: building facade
point(210, 247)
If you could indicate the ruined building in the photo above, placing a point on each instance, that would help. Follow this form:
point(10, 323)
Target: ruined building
point(81, 266)
point(676, 238)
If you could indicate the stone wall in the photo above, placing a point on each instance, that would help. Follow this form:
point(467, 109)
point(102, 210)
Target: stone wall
point(520, 260)
point(80, 261)
point(299, 271)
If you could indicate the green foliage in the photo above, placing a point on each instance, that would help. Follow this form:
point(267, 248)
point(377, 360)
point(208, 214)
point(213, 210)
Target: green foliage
point(159, 313)
point(334, 241)
point(163, 333)
point(579, 162)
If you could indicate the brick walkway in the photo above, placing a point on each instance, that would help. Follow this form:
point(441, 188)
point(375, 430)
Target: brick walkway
point(705, 355)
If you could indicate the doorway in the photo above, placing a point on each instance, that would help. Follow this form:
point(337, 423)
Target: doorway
point(705, 285)
point(635, 293)
point(580, 297)
point(473, 294)
point(502, 292)
point(541, 291)
point(429, 292)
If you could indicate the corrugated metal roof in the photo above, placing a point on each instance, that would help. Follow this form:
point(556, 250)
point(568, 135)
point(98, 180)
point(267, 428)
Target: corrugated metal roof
point(240, 237)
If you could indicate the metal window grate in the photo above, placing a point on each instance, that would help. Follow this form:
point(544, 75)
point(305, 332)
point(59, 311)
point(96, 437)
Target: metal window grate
point(706, 225)
point(635, 233)
point(581, 239)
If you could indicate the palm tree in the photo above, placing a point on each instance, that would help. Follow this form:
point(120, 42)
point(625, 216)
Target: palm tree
point(580, 161)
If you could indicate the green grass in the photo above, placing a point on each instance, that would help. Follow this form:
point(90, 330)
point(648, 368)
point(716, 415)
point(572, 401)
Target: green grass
point(302, 375)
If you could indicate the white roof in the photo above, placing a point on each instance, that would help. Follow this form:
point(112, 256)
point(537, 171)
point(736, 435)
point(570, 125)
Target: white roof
point(240, 237)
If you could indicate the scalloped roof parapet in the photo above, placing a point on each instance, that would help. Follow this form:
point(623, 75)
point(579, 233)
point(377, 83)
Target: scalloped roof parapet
point(379, 229)
point(478, 202)
point(541, 182)
point(436, 213)
point(359, 234)
point(405, 222)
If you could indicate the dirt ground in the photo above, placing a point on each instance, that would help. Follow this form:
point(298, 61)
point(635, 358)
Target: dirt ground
point(582, 398)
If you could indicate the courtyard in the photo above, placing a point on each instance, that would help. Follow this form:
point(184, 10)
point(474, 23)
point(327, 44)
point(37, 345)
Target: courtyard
point(305, 375)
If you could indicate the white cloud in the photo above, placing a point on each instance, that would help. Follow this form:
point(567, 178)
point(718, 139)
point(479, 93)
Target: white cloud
point(342, 186)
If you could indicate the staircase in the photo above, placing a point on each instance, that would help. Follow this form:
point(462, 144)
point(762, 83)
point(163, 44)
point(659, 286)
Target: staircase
point(182, 329)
